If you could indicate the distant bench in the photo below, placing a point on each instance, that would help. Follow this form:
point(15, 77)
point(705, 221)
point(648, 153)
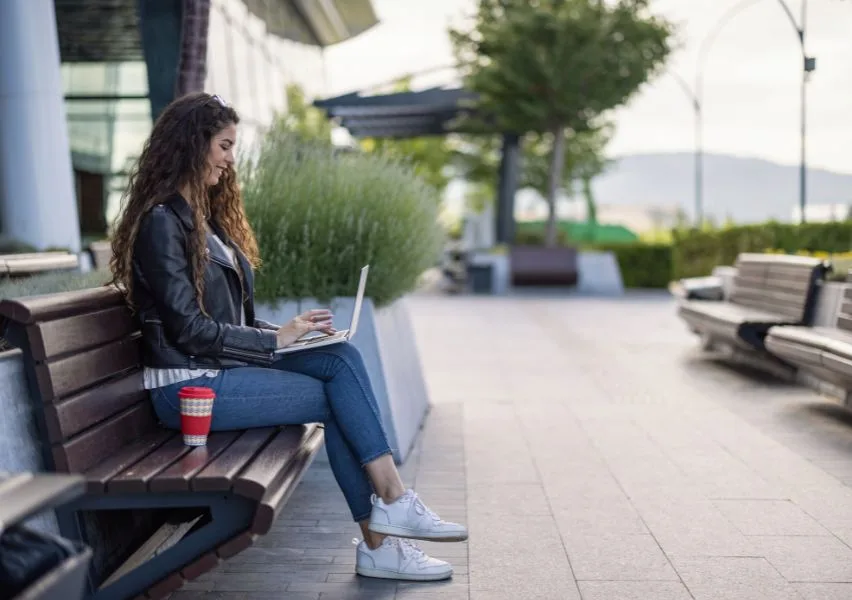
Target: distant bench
point(157, 513)
point(769, 290)
point(16, 265)
point(823, 351)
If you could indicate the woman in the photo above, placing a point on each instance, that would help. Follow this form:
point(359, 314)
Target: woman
point(184, 252)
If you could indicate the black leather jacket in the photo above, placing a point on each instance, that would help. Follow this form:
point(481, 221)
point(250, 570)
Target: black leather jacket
point(175, 333)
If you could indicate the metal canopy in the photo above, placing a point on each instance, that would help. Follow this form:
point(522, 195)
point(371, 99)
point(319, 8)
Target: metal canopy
point(400, 115)
point(434, 111)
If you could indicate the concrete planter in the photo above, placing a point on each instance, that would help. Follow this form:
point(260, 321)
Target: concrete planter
point(20, 450)
point(599, 274)
point(498, 268)
point(386, 340)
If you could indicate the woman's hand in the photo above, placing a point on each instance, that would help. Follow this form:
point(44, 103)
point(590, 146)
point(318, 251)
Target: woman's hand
point(318, 319)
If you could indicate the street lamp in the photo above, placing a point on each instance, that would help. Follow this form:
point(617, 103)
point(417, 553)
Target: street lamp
point(696, 97)
point(808, 65)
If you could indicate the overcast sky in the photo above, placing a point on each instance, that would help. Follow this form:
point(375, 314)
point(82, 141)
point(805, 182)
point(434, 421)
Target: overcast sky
point(751, 76)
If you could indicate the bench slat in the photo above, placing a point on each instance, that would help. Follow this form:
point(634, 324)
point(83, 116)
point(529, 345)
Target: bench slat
point(98, 476)
point(49, 339)
point(276, 497)
point(56, 306)
point(101, 441)
point(220, 474)
point(69, 417)
point(136, 478)
point(69, 375)
point(177, 477)
point(272, 462)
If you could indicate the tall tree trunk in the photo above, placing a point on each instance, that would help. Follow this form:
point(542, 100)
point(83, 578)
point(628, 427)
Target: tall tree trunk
point(591, 205)
point(557, 163)
point(192, 70)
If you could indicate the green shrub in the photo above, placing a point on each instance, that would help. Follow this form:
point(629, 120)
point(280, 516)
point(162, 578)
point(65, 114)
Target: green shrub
point(642, 265)
point(49, 283)
point(320, 215)
point(695, 253)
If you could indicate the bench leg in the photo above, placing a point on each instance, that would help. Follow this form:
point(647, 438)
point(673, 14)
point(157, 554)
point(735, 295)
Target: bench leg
point(230, 515)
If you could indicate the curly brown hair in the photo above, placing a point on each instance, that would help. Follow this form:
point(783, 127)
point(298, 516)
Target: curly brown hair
point(173, 157)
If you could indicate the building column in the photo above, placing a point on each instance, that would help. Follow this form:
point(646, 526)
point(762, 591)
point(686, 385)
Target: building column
point(174, 43)
point(507, 186)
point(38, 203)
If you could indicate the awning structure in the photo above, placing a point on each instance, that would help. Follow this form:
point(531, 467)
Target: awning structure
point(108, 30)
point(405, 114)
point(435, 111)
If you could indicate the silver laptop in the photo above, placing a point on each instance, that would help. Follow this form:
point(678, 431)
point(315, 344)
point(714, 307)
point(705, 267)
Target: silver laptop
point(339, 336)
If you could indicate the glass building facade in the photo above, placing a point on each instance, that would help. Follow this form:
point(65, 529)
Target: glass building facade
point(109, 113)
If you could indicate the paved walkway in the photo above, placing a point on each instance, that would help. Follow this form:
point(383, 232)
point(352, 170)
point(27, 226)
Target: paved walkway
point(594, 454)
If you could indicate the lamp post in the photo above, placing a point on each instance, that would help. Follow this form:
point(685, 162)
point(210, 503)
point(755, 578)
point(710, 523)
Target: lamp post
point(696, 97)
point(808, 65)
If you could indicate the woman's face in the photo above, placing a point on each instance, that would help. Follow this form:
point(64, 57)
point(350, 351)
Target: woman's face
point(221, 153)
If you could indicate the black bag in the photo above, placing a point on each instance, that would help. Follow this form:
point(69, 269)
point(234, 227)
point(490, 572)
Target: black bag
point(26, 555)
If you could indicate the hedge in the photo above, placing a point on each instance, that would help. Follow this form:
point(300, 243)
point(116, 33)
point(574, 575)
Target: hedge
point(695, 253)
point(642, 265)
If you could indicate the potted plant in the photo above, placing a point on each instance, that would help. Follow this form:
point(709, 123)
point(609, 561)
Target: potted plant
point(320, 215)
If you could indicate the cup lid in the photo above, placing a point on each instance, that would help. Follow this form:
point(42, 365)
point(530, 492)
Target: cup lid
point(196, 392)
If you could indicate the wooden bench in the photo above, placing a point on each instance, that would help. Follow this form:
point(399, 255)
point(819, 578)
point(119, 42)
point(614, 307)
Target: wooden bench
point(17, 265)
point(157, 513)
point(824, 351)
point(23, 495)
point(768, 290)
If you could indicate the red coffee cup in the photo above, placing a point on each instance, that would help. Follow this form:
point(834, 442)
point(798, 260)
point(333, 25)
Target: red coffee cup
point(196, 414)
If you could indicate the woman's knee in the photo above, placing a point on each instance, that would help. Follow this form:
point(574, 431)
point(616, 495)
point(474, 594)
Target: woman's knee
point(349, 353)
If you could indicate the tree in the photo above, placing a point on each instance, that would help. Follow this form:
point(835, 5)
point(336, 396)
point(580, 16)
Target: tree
point(558, 66)
point(303, 119)
point(478, 161)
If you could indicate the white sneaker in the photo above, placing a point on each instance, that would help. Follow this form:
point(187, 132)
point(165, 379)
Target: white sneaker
point(399, 559)
point(408, 517)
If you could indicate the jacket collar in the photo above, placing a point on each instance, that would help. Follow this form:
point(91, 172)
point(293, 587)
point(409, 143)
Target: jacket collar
point(181, 208)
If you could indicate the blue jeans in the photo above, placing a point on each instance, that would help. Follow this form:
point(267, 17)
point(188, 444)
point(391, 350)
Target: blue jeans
point(328, 385)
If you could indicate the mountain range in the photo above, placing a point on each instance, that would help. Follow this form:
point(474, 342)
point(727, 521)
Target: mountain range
point(744, 189)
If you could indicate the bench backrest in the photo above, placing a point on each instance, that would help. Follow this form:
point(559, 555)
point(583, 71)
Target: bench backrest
point(844, 316)
point(778, 283)
point(82, 351)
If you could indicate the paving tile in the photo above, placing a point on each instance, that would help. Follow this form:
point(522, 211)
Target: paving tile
point(617, 558)
point(633, 590)
point(733, 578)
point(821, 559)
point(824, 591)
point(769, 517)
point(522, 556)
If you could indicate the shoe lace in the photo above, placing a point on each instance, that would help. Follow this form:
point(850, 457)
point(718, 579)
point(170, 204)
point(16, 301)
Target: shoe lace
point(422, 509)
point(409, 549)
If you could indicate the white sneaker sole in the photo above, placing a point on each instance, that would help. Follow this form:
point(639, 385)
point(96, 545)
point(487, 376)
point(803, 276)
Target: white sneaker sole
point(383, 574)
point(413, 534)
